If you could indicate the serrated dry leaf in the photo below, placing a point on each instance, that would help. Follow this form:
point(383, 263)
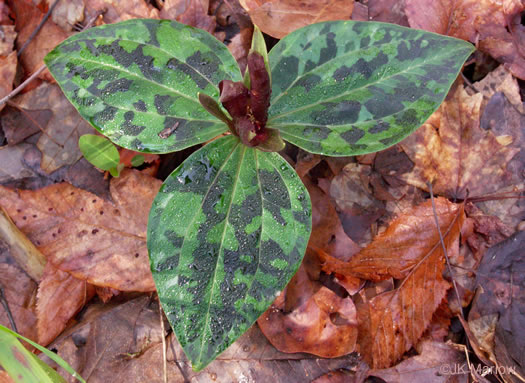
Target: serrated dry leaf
point(451, 151)
point(92, 239)
point(397, 250)
point(410, 249)
point(280, 17)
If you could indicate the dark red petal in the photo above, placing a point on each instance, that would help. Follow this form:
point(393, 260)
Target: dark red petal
point(260, 87)
point(234, 97)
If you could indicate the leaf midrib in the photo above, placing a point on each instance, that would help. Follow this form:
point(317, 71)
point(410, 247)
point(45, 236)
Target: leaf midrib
point(219, 256)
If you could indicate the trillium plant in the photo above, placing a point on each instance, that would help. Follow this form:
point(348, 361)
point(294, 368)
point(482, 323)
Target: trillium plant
point(230, 225)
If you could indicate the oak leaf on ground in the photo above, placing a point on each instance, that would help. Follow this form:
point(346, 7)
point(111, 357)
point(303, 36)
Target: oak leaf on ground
point(280, 17)
point(410, 249)
point(95, 240)
point(454, 154)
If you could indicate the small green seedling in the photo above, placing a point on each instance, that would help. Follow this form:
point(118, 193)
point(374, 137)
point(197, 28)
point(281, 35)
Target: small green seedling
point(230, 225)
point(101, 152)
point(23, 366)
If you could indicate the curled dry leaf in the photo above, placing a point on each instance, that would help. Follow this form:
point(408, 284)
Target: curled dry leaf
point(92, 239)
point(280, 17)
point(321, 323)
point(451, 151)
point(60, 296)
point(410, 249)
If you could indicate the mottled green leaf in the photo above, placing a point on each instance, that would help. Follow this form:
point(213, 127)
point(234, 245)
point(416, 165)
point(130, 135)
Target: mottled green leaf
point(99, 151)
point(24, 366)
point(137, 82)
point(226, 233)
point(347, 87)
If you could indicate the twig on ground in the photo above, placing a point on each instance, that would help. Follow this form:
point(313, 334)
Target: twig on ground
point(38, 28)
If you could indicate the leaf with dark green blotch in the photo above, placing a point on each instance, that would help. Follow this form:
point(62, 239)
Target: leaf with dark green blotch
point(347, 87)
point(99, 151)
point(226, 233)
point(137, 78)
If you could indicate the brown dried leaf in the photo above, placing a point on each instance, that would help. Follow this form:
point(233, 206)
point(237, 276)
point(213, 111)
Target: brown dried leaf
point(392, 322)
point(7, 74)
point(322, 323)
point(60, 296)
point(28, 16)
point(19, 291)
point(495, 26)
point(402, 246)
point(19, 123)
point(92, 239)
point(280, 17)
point(451, 151)
point(120, 10)
point(327, 232)
point(13, 168)
point(497, 311)
point(437, 362)
point(388, 11)
point(67, 13)
point(7, 39)
point(190, 12)
point(59, 141)
point(125, 342)
point(358, 209)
